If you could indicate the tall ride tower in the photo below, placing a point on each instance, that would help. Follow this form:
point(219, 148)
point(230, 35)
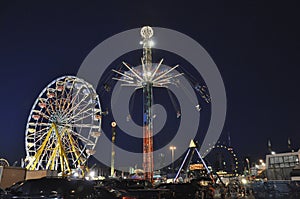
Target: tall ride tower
point(147, 33)
point(147, 76)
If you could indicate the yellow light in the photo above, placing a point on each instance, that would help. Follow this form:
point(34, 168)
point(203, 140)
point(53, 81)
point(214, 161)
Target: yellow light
point(113, 124)
point(172, 147)
point(244, 181)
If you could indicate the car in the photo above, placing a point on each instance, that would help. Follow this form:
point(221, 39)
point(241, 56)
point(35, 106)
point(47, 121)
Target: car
point(2, 193)
point(108, 193)
point(135, 184)
point(131, 188)
point(53, 187)
point(181, 190)
point(125, 184)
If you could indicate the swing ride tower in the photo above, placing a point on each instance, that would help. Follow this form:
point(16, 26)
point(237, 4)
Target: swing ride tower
point(148, 164)
point(146, 77)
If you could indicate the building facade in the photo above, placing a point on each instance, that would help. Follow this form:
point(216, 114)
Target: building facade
point(279, 166)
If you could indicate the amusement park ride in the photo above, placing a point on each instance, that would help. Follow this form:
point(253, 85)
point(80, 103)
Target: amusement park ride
point(63, 126)
point(147, 76)
point(223, 154)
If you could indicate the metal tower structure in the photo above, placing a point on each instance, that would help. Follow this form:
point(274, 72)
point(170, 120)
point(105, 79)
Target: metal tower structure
point(147, 76)
point(113, 138)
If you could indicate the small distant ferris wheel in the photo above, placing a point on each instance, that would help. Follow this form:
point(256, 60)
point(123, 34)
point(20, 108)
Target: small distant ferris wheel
point(234, 163)
point(4, 162)
point(63, 126)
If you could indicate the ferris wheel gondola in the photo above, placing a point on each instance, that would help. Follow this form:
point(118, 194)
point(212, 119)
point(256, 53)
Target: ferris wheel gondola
point(63, 126)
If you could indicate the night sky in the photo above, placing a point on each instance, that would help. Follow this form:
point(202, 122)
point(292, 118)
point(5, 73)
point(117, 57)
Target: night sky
point(254, 44)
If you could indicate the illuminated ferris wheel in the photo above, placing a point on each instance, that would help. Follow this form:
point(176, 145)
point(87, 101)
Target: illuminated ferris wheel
point(232, 160)
point(63, 126)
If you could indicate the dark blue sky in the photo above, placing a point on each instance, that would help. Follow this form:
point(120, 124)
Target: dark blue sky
point(254, 44)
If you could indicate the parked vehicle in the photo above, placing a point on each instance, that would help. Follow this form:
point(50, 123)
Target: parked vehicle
point(2, 193)
point(133, 188)
point(135, 184)
point(182, 190)
point(107, 193)
point(52, 188)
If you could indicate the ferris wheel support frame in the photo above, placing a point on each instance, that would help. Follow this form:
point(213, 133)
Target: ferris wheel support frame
point(59, 147)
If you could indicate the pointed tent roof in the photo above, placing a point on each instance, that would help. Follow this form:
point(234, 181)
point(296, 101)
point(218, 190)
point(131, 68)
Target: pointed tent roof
point(192, 144)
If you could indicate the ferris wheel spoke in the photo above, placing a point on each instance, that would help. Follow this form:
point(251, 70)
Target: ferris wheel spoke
point(51, 106)
point(79, 104)
point(57, 100)
point(68, 100)
point(83, 139)
point(71, 103)
point(83, 110)
point(62, 104)
point(80, 117)
point(40, 138)
point(43, 124)
point(92, 126)
point(42, 130)
point(75, 96)
point(63, 85)
point(31, 136)
point(56, 104)
point(33, 131)
point(77, 119)
point(66, 104)
point(48, 110)
point(76, 106)
point(74, 149)
point(77, 150)
point(71, 87)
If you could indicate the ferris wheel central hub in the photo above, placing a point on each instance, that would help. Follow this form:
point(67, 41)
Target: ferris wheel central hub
point(58, 119)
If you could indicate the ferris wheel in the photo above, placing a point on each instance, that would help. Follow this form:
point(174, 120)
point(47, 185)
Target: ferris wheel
point(233, 158)
point(4, 162)
point(63, 126)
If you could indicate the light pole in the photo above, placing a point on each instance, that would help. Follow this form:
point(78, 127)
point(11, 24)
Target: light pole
point(172, 148)
point(113, 139)
point(248, 164)
point(262, 164)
